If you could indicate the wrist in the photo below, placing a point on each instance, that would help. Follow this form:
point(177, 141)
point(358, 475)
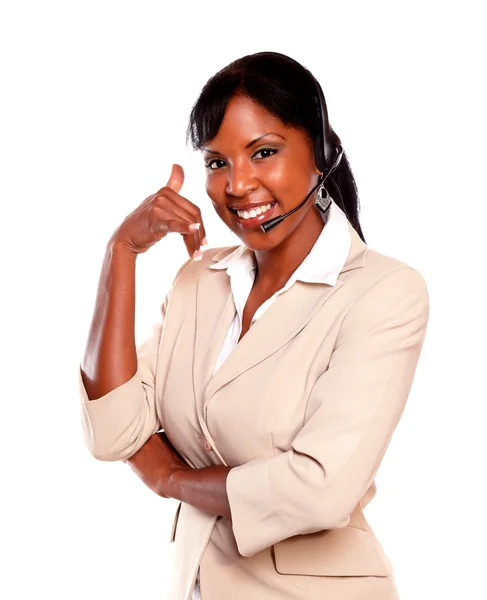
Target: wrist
point(117, 248)
point(173, 488)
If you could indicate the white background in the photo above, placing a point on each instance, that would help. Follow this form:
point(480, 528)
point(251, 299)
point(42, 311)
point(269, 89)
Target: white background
point(94, 105)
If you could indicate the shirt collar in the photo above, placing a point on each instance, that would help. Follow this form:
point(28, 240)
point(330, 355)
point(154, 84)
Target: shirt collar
point(323, 263)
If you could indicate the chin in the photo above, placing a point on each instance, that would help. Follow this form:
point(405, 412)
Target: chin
point(260, 241)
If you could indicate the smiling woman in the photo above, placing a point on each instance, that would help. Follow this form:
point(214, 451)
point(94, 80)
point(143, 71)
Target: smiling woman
point(259, 118)
point(250, 210)
point(270, 171)
point(279, 368)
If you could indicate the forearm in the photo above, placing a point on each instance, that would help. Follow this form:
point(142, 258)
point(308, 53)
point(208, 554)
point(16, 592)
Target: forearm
point(202, 488)
point(110, 357)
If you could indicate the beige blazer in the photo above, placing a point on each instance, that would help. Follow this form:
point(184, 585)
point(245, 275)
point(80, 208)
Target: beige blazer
point(303, 409)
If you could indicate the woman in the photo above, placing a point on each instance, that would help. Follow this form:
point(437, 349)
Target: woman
point(279, 368)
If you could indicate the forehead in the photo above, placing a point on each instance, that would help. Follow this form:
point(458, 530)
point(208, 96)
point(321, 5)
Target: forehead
point(245, 111)
point(244, 117)
point(244, 120)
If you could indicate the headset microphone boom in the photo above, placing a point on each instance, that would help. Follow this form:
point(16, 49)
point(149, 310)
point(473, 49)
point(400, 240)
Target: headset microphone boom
point(323, 151)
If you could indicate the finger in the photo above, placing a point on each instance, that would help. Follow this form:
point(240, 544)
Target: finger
point(197, 243)
point(199, 235)
point(167, 221)
point(176, 178)
point(180, 202)
point(198, 255)
point(177, 226)
point(172, 203)
point(202, 232)
point(186, 209)
point(196, 249)
point(194, 243)
point(191, 243)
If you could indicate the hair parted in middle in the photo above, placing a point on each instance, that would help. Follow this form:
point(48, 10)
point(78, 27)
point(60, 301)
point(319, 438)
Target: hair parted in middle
point(286, 89)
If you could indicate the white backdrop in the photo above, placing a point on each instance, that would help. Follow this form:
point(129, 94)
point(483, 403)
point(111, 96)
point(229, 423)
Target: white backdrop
point(94, 105)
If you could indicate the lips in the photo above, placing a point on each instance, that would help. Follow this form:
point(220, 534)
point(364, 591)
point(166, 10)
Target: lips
point(253, 222)
point(249, 207)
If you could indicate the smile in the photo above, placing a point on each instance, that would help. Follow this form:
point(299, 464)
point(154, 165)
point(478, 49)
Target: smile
point(255, 215)
point(254, 212)
point(252, 218)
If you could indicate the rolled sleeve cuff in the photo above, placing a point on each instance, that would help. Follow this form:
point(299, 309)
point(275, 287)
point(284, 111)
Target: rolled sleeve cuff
point(256, 520)
point(107, 421)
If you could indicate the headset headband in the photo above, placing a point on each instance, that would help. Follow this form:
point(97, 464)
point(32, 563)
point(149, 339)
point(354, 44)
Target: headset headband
point(325, 153)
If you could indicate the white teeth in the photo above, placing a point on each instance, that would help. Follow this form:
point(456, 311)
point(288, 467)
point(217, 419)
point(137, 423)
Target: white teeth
point(254, 212)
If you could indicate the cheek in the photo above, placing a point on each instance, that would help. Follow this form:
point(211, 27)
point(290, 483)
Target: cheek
point(216, 193)
point(284, 182)
point(214, 188)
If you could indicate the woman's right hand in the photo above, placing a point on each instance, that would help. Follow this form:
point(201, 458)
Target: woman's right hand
point(160, 214)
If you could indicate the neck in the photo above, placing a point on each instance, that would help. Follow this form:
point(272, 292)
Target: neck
point(275, 266)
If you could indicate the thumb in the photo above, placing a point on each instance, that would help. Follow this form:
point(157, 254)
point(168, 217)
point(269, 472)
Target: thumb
point(176, 179)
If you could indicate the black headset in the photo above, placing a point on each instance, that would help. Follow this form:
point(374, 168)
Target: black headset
point(325, 153)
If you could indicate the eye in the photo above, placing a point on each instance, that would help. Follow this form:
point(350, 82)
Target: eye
point(209, 163)
point(266, 150)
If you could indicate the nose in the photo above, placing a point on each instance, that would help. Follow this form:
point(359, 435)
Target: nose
point(241, 179)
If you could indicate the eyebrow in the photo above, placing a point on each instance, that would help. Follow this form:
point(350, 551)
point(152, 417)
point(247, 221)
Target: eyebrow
point(248, 145)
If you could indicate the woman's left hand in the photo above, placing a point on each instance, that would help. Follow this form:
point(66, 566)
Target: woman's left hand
point(155, 462)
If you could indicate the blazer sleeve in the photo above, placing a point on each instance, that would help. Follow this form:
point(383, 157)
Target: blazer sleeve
point(116, 425)
point(360, 397)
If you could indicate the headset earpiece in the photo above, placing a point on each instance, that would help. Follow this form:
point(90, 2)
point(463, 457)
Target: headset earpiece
point(327, 154)
point(319, 157)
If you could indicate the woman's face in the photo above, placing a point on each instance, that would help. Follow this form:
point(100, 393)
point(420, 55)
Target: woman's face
point(256, 160)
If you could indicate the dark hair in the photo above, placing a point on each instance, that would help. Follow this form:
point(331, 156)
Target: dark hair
point(283, 87)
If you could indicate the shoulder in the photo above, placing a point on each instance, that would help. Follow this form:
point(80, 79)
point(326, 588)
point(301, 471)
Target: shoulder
point(191, 270)
point(378, 289)
point(386, 289)
point(387, 271)
point(369, 270)
point(378, 271)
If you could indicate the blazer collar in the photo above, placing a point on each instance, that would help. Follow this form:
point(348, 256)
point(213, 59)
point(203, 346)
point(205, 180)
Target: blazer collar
point(356, 257)
point(322, 264)
point(283, 320)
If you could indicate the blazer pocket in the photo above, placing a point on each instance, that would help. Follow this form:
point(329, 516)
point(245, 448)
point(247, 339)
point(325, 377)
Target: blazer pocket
point(333, 552)
point(174, 523)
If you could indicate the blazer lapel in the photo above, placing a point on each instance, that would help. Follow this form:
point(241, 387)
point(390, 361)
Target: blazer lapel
point(284, 319)
point(215, 311)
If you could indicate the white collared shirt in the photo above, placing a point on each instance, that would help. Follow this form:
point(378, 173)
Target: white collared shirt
point(322, 265)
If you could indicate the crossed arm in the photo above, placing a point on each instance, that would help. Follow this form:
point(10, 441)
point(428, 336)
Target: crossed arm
point(162, 469)
point(316, 484)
